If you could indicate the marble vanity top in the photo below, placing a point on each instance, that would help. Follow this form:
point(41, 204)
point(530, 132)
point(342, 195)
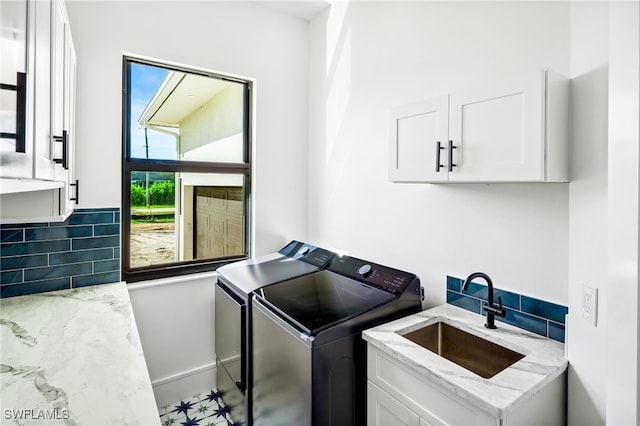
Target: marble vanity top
point(73, 357)
point(544, 358)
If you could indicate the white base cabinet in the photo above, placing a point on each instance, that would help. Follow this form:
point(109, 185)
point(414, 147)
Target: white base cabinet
point(398, 395)
point(512, 130)
point(383, 409)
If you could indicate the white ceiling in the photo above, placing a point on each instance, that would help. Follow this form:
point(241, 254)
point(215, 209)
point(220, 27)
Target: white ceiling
point(181, 93)
point(303, 9)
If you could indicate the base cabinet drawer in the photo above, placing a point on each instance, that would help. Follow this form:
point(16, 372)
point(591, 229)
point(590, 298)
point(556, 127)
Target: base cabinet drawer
point(385, 410)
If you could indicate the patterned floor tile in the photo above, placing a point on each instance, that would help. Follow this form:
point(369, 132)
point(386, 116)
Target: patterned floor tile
point(199, 410)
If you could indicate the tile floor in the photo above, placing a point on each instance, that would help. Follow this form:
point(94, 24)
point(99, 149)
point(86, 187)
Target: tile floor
point(198, 410)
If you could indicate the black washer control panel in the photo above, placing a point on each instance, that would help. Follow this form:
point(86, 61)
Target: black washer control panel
point(388, 279)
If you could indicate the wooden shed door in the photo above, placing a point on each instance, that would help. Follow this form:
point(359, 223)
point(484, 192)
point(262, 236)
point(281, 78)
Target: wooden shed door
point(219, 217)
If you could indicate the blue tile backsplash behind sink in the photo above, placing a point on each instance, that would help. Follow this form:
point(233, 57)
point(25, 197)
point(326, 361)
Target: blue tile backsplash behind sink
point(38, 257)
point(535, 315)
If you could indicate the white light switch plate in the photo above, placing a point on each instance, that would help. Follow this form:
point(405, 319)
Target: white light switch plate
point(590, 304)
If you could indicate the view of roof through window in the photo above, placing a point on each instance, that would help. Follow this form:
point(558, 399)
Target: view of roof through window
point(177, 115)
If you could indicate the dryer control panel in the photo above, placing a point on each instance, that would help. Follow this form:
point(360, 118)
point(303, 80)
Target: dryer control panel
point(307, 253)
point(389, 279)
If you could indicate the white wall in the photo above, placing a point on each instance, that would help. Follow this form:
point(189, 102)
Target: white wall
point(542, 240)
point(603, 219)
point(367, 57)
point(588, 210)
point(230, 37)
point(623, 393)
point(175, 318)
point(175, 322)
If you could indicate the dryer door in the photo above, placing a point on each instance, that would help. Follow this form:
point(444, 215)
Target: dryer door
point(231, 352)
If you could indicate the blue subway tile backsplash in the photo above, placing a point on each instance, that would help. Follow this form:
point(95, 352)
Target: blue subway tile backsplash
point(535, 315)
point(21, 262)
point(11, 235)
point(39, 257)
point(544, 309)
point(36, 247)
point(469, 303)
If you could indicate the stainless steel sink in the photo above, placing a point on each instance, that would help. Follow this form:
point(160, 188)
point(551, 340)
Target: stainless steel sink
point(474, 353)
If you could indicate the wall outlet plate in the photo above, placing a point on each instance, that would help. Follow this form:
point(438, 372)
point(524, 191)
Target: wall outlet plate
point(590, 304)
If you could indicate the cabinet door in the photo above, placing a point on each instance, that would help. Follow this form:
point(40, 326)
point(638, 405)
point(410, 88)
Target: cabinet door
point(498, 131)
point(57, 71)
point(59, 86)
point(16, 160)
point(41, 74)
point(385, 410)
point(415, 132)
point(69, 112)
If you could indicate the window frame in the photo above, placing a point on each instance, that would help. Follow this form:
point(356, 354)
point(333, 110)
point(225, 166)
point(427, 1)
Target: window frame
point(129, 165)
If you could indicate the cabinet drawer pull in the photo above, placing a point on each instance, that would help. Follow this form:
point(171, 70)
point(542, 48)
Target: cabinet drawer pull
point(77, 197)
point(21, 111)
point(64, 139)
point(451, 148)
point(439, 148)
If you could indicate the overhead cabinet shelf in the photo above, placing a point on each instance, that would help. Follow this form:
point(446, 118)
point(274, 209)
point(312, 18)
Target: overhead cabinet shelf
point(12, 186)
point(513, 130)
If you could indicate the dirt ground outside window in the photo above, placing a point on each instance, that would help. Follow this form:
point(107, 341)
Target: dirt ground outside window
point(152, 243)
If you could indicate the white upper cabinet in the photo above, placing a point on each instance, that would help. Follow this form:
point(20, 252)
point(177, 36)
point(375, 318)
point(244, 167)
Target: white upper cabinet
point(70, 197)
point(512, 130)
point(63, 81)
point(418, 137)
point(14, 26)
point(40, 72)
point(44, 166)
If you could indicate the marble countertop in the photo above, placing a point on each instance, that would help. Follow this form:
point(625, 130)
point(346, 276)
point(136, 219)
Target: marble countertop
point(544, 358)
point(73, 357)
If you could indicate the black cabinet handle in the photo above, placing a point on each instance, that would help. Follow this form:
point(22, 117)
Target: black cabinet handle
point(77, 197)
point(21, 111)
point(439, 148)
point(64, 139)
point(451, 148)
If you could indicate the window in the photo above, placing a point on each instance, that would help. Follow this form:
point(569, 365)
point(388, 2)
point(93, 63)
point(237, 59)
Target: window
point(186, 170)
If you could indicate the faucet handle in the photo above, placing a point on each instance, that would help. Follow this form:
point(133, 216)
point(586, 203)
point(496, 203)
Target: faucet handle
point(501, 312)
point(496, 310)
